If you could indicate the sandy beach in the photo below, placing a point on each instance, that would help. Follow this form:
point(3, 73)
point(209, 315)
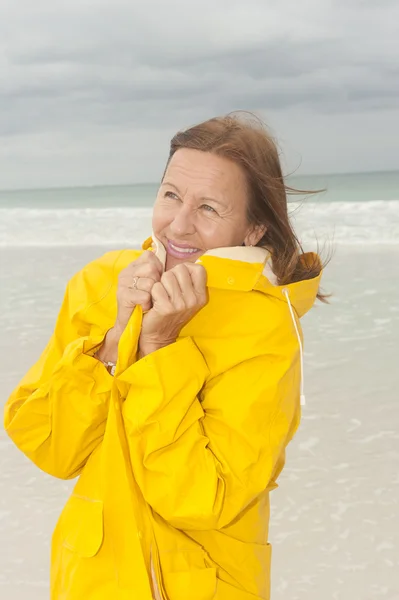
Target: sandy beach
point(334, 523)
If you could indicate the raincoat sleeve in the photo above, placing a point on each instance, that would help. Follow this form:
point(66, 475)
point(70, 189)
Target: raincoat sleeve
point(57, 414)
point(202, 450)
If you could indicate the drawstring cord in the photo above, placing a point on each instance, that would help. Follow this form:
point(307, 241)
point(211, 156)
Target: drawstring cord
point(302, 392)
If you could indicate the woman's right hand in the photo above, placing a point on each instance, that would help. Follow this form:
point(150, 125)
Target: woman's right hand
point(134, 287)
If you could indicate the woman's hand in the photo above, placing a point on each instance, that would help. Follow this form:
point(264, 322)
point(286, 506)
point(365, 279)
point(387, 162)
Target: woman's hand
point(179, 295)
point(134, 287)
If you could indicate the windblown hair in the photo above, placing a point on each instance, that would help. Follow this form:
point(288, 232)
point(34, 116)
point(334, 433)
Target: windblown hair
point(248, 143)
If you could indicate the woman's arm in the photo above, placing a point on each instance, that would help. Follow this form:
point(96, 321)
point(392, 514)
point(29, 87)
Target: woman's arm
point(57, 413)
point(202, 451)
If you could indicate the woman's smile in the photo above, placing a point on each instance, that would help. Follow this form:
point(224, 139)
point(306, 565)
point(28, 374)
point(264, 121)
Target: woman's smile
point(182, 251)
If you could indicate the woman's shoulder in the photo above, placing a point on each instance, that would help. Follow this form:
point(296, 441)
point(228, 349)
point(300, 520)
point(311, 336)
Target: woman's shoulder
point(97, 278)
point(111, 262)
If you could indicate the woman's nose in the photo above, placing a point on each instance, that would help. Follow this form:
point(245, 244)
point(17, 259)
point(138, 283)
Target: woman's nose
point(183, 221)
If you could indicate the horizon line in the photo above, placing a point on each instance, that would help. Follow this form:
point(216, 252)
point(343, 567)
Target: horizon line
point(147, 183)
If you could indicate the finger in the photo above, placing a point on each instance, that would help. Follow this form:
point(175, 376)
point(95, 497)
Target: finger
point(147, 303)
point(143, 284)
point(145, 269)
point(160, 298)
point(183, 277)
point(198, 277)
point(146, 263)
point(172, 287)
point(131, 299)
point(149, 257)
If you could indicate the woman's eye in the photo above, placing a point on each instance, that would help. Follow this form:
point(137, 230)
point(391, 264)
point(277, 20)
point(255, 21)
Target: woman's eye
point(171, 195)
point(208, 208)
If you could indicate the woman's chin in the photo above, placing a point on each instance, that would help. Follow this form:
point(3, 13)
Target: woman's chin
point(173, 261)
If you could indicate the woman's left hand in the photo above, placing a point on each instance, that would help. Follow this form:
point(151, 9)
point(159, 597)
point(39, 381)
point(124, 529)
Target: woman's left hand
point(179, 295)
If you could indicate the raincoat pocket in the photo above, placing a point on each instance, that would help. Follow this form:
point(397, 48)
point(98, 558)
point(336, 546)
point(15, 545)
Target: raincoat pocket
point(198, 584)
point(81, 526)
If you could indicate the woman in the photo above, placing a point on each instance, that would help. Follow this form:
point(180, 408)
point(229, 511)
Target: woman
point(172, 384)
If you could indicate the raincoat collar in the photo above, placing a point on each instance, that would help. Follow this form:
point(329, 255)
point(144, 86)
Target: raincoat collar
point(246, 268)
point(240, 269)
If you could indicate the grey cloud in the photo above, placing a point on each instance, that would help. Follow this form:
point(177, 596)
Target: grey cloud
point(70, 67)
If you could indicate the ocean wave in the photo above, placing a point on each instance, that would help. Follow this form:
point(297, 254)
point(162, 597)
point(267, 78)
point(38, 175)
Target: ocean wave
point(354, 223)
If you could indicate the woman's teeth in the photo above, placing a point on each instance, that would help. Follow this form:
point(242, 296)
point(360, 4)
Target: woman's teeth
point(184, 250)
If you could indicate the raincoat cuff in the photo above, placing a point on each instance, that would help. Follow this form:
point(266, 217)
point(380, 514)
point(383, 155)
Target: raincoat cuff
point(79, 356)
point(170, 360)
point(92, 344)
point(172, 375)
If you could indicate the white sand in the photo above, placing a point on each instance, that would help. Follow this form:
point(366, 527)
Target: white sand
point(334, 527)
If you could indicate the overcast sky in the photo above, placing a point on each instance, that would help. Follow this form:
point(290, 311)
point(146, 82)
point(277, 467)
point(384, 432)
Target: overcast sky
point(92, 90)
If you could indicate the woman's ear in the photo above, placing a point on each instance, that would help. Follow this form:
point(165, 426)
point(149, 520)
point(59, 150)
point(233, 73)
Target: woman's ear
point(254, 235)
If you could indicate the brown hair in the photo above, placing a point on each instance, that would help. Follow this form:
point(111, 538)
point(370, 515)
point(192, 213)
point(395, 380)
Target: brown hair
point(248, 143)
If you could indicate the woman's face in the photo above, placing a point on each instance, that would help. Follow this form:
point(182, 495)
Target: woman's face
point(201, 204)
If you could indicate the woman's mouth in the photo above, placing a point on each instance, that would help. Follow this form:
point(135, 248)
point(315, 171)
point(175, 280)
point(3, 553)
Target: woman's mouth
point(181, 251)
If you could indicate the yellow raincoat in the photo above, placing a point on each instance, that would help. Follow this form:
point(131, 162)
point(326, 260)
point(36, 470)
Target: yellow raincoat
point(176, 454)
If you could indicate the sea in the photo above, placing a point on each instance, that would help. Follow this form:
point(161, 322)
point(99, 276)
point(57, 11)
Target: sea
point(357, 209)
point(334, 525)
